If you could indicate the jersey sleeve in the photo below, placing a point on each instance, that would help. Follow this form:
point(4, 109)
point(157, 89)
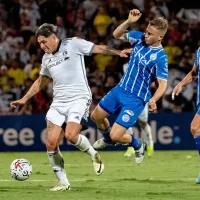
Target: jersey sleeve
point(44, 70)
point(134, 36)
point(162, 68)
point(82, 46)
point(197, 58)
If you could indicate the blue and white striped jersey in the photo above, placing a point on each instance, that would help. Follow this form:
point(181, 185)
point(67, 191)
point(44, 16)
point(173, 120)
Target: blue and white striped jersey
point(145, 65)
point(197, 63)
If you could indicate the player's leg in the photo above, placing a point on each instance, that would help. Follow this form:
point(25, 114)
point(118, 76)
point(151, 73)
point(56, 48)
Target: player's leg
point(98, 116)
point(146, 129)
point(107, 106)
point(54, 136)
point(195, 129)
point(118, 134)
point(130, 150)
point(77, 116)
point(128, 116)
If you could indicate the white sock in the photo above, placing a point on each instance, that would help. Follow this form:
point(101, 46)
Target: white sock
point(57, 164)
point(148, 135)
point(130, 131)
point(84, 145)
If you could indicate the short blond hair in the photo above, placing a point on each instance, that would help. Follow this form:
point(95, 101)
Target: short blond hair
point(159, 23)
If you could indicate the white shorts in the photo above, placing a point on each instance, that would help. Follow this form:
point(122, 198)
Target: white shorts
point(74, 111)
point(144, 114)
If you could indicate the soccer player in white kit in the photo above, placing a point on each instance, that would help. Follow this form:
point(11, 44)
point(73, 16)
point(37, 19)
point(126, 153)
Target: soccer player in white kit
point(63, 62)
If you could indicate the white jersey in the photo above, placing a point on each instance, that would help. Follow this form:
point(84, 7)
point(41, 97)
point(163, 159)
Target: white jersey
point(67, 69)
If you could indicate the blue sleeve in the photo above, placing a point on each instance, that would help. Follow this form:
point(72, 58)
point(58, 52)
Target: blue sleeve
point(134, 36)
point(197, 58)
point(162, 68)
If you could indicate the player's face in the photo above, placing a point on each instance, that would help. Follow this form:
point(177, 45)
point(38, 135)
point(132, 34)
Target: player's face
point(153, 36)
point(48, 45)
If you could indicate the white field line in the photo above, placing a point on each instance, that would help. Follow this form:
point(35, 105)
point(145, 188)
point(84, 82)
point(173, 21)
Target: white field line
point(84, 180)
point(131, 164)
point(87, 165)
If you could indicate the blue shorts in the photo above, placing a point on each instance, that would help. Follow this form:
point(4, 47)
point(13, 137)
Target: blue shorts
point(130, 106)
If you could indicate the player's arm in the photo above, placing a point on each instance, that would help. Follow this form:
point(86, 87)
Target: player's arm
point(192, 75)
point(162, 76)
point(34, 89)
point(106, 50)
point(162, 86)
point(119, 32)
point(84, 47)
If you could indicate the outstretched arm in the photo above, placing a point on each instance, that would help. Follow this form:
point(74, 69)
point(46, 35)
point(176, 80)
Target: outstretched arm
point(119, 32)
point(192, 75)
point(34, 89)
point(159, 92)
point(106, 50)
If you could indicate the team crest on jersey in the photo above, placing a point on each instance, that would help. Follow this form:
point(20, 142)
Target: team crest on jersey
point(125, 118)
point(65, 53)
point(153, 56)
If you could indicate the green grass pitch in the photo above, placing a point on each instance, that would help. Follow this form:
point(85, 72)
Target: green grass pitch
point(167, 175)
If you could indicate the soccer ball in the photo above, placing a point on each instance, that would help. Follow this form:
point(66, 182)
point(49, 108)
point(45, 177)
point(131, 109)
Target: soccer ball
point(20, 169)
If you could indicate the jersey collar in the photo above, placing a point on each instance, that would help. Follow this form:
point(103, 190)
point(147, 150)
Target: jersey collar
point(58, 47)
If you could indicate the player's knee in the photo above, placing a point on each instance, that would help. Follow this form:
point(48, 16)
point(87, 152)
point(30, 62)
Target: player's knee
point(143, 124)
point(95, 117)
point(114, 137)
point(51, 145)
point(92, 116)
point(195, 130)
point(72, 137)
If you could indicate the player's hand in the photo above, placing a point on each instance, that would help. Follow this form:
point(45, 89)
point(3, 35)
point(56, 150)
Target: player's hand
point(16, 103)
point(152, 105)
point(134, 15)
point(125, 53)
point(176, 91)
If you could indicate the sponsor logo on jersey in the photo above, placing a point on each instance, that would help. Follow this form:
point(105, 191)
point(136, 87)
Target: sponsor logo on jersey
point(142, 59)
point(56, 63)
point(130, 112)
point(53, 64)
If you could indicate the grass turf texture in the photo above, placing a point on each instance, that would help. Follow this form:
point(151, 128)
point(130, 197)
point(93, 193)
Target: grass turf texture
point(167, 175)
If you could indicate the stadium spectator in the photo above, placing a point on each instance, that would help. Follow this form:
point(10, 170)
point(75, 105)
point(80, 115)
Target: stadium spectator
point(93, 20)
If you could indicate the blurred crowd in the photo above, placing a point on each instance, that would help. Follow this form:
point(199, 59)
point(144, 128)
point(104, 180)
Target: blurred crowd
point(93, 20)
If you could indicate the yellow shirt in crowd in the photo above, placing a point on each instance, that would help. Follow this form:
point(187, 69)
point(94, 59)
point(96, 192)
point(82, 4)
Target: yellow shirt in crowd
point(18, 74)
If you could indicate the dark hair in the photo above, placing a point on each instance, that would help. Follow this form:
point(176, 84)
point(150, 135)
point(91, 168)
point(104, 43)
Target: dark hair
point(46, 30)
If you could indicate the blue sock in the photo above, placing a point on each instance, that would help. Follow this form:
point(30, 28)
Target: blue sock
point(135, 143)
point(197, 139)
point(106, 135)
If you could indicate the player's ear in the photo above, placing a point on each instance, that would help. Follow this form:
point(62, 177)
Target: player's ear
point(161, 37)
point(54, 36)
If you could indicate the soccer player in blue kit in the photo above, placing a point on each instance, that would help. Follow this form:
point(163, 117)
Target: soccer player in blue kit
point(195, 124)
point(148, 63)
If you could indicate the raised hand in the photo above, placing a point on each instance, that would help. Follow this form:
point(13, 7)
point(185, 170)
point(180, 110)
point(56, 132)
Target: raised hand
point(134, 15)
